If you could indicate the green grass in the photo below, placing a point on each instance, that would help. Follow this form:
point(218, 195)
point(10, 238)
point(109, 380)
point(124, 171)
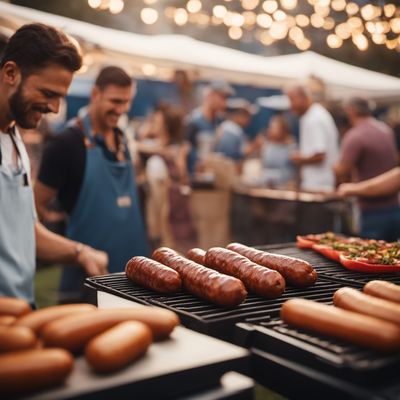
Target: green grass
point(47, 280)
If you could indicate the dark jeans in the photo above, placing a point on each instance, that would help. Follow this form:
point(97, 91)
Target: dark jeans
point(383, 223)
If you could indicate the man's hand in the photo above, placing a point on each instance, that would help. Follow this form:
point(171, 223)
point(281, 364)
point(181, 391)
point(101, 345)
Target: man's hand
point(94, 262)
point(296, 158)
point(346, 190)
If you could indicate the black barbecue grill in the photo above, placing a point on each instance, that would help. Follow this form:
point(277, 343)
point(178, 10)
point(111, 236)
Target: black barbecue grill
point(293, 362)
point(205, 317)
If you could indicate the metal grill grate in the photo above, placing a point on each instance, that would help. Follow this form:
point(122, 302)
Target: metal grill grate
point(327, 268)
point(205, 317)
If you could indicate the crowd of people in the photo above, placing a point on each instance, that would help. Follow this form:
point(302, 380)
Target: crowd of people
point(95, 171)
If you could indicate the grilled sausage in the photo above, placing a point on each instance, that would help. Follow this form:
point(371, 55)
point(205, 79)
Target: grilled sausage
point(383, 289)
point(73, 332)
point(203, 282)
point(23, 372)
point(36, 320)
point(7, 319)
point(354, 300)
point(14, 338)
point(298, 273)
point(260, 280)
point(197, 255)
point(152, 275)
point(356, 328)
point(118, 346)
point(13, 306)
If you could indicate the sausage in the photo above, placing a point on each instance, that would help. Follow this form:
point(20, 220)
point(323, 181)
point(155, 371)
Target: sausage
point(383, 289)
point(261, 280)
point(118, 346)
point(298, 273)
point(197, 255)
point(14, 306)
point(220, 289)
point(152, 275)
point(7, 319)
point(14, 338)
point(73, 332)
point(36, 320)
point(359, 329)
point(354, 300)
point(23, 372)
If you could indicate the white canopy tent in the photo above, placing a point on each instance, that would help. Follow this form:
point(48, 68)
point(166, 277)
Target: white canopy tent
point(157, 56)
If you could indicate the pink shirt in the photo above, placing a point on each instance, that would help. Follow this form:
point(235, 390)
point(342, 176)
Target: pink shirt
point(369, 149)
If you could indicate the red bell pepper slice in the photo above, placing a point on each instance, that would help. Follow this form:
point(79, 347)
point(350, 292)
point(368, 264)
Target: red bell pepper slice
point(366, 267)
point(327, 251)
point(303, 243)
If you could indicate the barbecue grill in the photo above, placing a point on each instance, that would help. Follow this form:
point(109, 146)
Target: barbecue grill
point(204, 317)
point(314, 365)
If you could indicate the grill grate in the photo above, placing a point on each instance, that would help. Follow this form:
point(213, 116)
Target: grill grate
point(328, 268)
point(205, 317)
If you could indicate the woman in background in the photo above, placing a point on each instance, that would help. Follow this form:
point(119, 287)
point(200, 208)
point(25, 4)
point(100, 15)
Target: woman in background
point(168, 215)
point(275, 147)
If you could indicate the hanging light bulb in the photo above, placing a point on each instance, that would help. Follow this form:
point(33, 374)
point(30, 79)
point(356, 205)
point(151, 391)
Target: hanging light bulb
point(270, 6)
point(334, 41)
point(194, 6)
point(302, 20)
point(289, 4)
point(360, 41)
point(235, 32)
point(149, 15)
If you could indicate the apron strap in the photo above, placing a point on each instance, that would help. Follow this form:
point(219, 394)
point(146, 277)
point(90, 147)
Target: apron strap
point(84, 124)
point(12, 133)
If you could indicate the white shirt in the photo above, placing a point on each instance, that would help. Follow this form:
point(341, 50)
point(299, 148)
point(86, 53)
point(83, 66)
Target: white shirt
point(318, 134)
point(8, 157)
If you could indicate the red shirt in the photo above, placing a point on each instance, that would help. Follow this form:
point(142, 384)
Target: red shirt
point(369, 149)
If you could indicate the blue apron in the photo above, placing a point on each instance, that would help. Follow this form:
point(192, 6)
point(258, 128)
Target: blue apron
point(106, 215)
point(17, 233)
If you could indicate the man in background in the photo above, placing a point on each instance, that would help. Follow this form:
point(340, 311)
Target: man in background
point(88, 168)
point(318, 143)
point(368, 149)
point(203, 122)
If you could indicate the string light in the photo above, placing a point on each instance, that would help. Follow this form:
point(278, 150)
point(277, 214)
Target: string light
point(149, 15)
point(194, 6)
point(270, 21)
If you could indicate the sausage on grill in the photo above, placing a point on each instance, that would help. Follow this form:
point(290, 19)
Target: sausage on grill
point(260, 280)
point(383, 289)
point(298, 273)
point(152, 275)
point(197, 255)
point(220, 289)
point(118, 346)
point(354, 300)
point(356, 328)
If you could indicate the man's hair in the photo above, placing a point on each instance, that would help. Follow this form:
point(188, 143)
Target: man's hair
point(113, 76)
point(360, 105)
point(299, 90)
point(35, 46)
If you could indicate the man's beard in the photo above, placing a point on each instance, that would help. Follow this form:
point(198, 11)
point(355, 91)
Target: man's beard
point(20, 110)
